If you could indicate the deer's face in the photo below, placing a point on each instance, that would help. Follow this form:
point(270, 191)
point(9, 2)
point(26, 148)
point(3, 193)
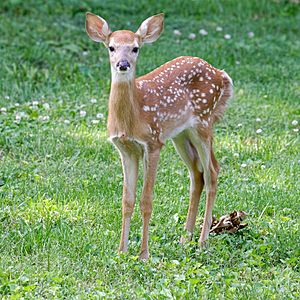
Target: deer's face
point(123, 47)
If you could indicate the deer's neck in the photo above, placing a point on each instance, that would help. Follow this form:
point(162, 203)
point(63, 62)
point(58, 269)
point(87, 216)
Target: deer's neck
point(124, 107)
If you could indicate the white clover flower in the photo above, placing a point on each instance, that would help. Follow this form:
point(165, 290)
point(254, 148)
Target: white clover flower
point(95, 121)
point(99, 116)
point(44, 118)
point(227, 36)
point(82, 113)
point(263, 166)
point(259, 130)
point(20, 115)
point(239, 125)
point(67, 122)
point(17, 104)
point(258, 120)
point(219, 28)
point(177, 32)
point(85, 53)
point(243, 165)
point(46, 106)
point(237, 62)
point(7, 97)
point(192, 36)
point(3, 109)
point(294, 122)
point(203, 32)
point(296, 129)
point(250, 34)
point(176, 218)
point(236, 154)
point(35, 103)
point(93, 100)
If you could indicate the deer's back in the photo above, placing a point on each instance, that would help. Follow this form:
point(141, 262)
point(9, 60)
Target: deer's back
point(187, 91)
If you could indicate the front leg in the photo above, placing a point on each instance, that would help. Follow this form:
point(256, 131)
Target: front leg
point(129, 153)
point(151, 158)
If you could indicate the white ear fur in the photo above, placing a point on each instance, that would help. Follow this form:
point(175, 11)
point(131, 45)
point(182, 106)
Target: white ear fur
point(151, 28)
point(97, 28)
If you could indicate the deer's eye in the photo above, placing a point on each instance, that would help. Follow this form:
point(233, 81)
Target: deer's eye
point(135, 50)
point(111, 48)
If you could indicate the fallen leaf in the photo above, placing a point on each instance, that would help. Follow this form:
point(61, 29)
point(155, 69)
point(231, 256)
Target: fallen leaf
point(230, 222)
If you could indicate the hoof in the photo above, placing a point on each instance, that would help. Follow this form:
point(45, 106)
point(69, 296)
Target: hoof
point(144, 255)
point(122, 250)
point(186, 238)
point(203, 244)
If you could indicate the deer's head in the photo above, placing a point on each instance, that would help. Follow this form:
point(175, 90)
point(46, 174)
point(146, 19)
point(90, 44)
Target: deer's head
point(123, 45)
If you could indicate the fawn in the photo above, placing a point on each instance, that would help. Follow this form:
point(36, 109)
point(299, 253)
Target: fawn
point(180, 100)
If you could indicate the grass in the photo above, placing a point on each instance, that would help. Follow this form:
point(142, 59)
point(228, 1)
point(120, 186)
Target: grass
point(61, 181)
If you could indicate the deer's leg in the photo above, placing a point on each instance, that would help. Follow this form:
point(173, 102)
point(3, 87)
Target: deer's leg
point(130, 160)
point(151, 158)
point(191, 158)
point(210, 169)
point(211, 190)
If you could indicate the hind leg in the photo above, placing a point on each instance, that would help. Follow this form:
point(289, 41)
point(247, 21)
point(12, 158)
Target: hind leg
point(210, 169)
point(190, 157)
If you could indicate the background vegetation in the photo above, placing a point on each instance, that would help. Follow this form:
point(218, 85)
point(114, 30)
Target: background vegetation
point(61, 182)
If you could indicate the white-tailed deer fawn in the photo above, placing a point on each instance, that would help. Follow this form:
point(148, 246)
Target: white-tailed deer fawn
point(180, 100)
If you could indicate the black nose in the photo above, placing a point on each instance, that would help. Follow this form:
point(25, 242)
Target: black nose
point(123, 65)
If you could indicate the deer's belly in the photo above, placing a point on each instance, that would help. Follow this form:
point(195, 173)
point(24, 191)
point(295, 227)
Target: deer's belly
point(172, 130)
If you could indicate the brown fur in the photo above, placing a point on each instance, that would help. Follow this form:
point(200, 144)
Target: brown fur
point(123, 36)
point(124, 110)
point(224, 97)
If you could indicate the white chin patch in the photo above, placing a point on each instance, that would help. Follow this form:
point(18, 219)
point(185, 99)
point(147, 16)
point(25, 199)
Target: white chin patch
point(118, 75)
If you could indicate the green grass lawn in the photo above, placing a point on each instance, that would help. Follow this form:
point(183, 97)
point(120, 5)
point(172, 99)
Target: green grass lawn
point(61, 180)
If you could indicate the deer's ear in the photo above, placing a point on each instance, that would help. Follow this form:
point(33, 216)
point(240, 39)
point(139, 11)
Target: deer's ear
point(97, 28)
point(151, 28)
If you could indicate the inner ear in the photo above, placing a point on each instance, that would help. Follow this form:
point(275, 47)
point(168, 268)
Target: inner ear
point(151, 28)
point(97, 28)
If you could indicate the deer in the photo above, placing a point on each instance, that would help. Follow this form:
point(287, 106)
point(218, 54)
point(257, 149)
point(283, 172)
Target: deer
point(180, 100)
